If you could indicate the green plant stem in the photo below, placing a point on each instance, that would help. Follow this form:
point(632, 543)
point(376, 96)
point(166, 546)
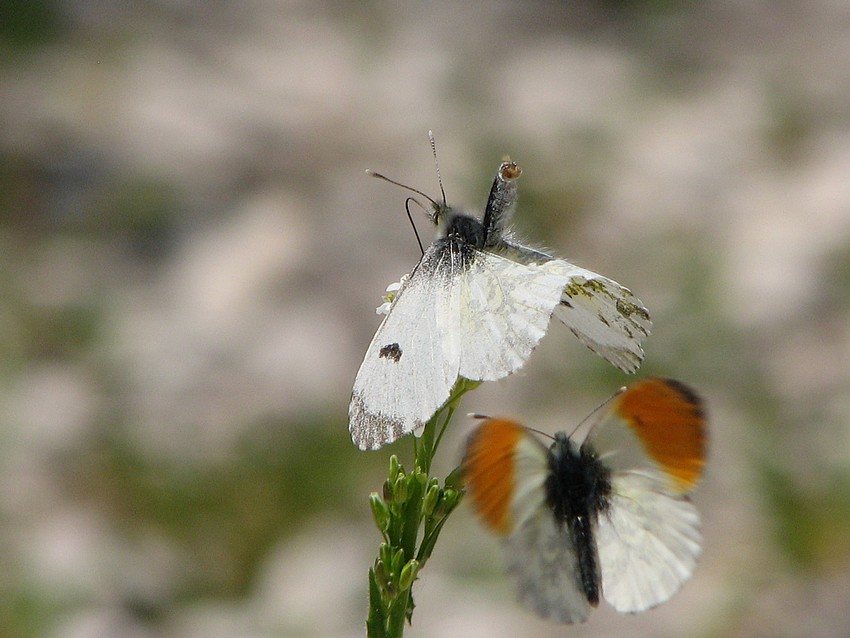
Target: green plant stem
point(410, 502)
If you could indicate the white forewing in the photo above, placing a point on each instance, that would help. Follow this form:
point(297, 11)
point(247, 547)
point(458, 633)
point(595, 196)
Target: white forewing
point(412, 362)
point(542, 560)
point(502, 310)
point(531, 469)
point(478, 316)
point(605, 316)
point(648, 540)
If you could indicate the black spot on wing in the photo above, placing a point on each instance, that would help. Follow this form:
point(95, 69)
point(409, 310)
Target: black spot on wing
point(391, 351)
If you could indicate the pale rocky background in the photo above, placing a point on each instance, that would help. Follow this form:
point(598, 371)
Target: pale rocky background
point(191, 255)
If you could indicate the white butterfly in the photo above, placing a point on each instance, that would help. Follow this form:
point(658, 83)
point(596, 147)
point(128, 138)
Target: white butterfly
point(475, 306)
point(575, 528)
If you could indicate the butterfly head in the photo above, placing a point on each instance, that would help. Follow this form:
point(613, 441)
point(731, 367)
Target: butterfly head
point(456, 226)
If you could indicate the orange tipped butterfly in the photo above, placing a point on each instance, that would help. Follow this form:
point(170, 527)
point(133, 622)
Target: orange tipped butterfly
point(575, 528)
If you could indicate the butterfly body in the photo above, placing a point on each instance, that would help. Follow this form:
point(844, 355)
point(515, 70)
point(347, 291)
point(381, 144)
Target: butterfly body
point(577, 490)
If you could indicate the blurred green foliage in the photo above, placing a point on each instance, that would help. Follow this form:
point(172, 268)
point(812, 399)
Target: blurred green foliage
point(25, 610)
point(224, 514)
point(26, 24)
point(810, 520)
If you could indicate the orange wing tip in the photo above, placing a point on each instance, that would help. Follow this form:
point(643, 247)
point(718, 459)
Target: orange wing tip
point(669, 419)
point(489, 472)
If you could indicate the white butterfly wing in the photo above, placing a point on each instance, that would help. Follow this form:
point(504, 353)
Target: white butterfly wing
point(530, 471)
point(478, 316)
point(648, 541)
point(605, 316)
point(412, 362)
point(503, 309)
point(543, 562)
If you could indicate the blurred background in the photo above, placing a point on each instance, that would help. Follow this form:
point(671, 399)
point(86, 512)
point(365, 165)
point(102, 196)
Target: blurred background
point(191, 256)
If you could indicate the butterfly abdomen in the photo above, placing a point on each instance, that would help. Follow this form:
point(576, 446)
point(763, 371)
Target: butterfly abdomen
point(577, 490)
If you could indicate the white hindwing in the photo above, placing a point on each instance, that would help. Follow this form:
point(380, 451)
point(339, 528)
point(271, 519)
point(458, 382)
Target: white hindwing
point(605, 316)
point(412, 362)
point(543, 562)
point(648, 540)
point(502, 309)
point(539, 553)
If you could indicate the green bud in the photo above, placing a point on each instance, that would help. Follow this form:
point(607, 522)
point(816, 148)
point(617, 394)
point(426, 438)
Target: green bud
point(431, 498)
point(408, 574)
point(421, 477)
point(450, 500)
point(380, 511)
point(400, 489)
point(382, 577)
point(394, 467)
point(397, 560)
point(385, 554)
point(452, 496)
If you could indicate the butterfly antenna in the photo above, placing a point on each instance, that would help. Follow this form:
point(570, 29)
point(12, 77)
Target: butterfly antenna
point(410, 217)
point(372, 173)
point(437, 166)
point(478, 415)
point(595, 410)
point(545, 435)
point(436, 206)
